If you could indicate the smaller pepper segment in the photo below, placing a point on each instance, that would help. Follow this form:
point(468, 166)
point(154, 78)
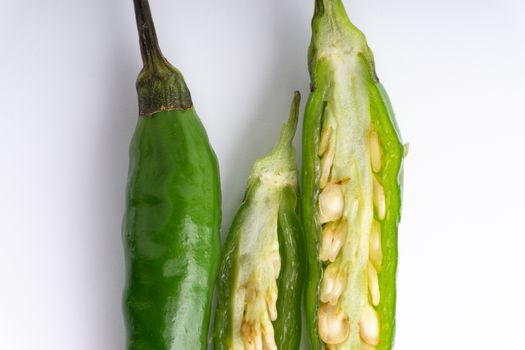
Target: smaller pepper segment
point(260, 280)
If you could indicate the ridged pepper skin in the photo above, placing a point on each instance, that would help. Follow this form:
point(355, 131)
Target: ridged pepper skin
point(344, 87)
point(173, 211)
point(265, 228)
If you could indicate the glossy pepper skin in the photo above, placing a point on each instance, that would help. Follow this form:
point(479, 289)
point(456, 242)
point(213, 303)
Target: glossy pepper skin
point(265, 226)
point(343, 75)
point(172, 220)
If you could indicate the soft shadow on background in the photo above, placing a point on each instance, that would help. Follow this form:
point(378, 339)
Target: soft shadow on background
point(286, 63)
point(69, 110)
point(114, 136)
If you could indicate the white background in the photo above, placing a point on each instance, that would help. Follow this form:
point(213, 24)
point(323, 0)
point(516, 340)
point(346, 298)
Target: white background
point(455, 74)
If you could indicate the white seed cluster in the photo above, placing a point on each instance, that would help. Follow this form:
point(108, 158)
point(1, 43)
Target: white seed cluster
point(260, 310)
point(255, 300)
point(333, 321)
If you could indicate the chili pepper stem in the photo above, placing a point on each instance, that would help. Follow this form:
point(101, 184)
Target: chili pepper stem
point(160, 86)
point(288, 130)
point(334, 34)
point(149, 46)
point(282, 156)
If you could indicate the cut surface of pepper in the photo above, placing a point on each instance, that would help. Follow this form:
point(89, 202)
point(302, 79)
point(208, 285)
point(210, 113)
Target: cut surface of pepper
point(260, 278)
point(173, 211)
point(352, 169)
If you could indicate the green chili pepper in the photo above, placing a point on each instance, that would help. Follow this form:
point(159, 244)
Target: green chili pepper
point(260, 278)
point(171, 226)
point(352, 156)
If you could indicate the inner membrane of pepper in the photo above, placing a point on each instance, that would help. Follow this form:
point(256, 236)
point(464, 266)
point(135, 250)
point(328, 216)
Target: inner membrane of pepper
point(351, 206)
point(259, 265)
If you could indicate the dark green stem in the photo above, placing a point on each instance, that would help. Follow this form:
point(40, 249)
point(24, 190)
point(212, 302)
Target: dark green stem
point(149, 45)
point(160, 86)
point(288, 131)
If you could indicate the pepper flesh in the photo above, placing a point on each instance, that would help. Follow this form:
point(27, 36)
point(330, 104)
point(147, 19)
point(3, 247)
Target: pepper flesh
point(350, 303)
point(260, 278)
point(172, 220)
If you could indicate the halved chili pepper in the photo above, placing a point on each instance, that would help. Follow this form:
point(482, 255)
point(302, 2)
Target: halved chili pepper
point(261, 277)
point(352, 169)
point(173, 213)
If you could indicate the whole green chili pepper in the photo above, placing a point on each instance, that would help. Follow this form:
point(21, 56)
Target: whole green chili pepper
point(260, 278)
point(352, 156)
point(171, 226)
